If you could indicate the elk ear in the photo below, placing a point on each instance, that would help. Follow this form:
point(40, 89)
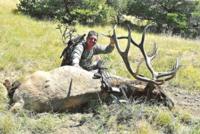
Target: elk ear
point(7, 84)
point(15, 85)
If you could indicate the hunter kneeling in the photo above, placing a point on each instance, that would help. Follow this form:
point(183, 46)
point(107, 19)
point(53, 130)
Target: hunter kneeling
point(83, 52)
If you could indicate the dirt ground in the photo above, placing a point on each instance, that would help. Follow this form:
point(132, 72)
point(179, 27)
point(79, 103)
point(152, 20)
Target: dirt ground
point(186, 100)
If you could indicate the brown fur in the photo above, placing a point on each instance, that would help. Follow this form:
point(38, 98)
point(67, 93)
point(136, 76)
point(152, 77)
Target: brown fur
point(49, 91)
point(67, 88)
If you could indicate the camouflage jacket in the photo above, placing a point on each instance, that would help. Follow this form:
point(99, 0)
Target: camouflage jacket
point(83, 57)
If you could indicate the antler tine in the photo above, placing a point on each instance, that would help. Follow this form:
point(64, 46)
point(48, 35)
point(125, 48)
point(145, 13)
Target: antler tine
point(146, 58)
point(124, 56)
point(170, 73)
point(153, 52)
point(123, 37)
point(116, 41)
point(129, 41)
point(138, 66)
point(156, 75)
point(143, 34)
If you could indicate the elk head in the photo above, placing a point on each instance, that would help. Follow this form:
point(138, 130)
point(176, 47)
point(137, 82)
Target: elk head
point(157, 78)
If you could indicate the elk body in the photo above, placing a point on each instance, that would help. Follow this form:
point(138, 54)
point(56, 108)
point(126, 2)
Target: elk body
point(69, 87)
point(57, 90)
point(62, 89)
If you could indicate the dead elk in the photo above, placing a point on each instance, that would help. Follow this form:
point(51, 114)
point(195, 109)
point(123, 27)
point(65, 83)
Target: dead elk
point(68, 87)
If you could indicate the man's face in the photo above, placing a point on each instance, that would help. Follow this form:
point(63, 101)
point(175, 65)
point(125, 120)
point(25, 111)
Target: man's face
point(91, 41)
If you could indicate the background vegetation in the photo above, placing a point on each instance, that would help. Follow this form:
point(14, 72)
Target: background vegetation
point(28, 44)
point(176, 17)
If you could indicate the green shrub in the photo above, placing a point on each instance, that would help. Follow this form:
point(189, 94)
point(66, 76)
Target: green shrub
point(163, 118)
point(94, 12)
point(42, 8)
point(85, 11)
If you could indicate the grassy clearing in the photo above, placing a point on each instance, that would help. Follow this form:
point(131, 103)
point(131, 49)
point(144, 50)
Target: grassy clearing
point(27, 45)
point(141, 119)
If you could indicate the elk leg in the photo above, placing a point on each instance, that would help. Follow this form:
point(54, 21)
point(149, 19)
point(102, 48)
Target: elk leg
point(17, 106)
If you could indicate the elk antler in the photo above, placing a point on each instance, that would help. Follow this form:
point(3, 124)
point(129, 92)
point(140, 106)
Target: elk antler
point(158, 78)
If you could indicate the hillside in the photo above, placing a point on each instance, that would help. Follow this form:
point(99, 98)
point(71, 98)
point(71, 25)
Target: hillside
point(27, 45)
